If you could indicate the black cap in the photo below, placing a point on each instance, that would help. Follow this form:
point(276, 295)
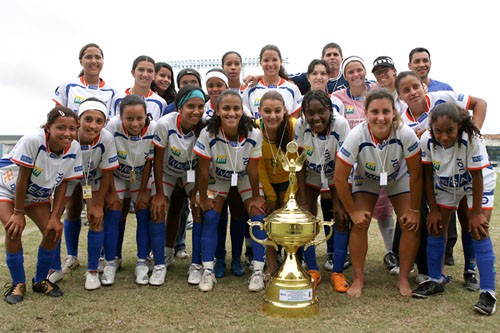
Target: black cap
point(383, 61)
point(188, 71)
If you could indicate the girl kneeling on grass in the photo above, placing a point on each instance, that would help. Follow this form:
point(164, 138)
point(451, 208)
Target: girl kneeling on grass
point(456, 165)
point(38, 167)
point(99, 161)
point(174, 164)
point(233, 146)
point(384, 153)
point(133, 131)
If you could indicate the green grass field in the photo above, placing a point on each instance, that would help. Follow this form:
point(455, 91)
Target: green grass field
point(179, 307)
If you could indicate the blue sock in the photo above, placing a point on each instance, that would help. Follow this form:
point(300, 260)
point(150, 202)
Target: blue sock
point(15, 262)
point(121, 235)
point(220, 250)
point(209, 235)
point(340, 250)
point(111, 231)
point(485, 258)
point(258, 250)
point(310, 257)
point(157, 240)
point(237, 232)
point(56, 263)
point(435, 253)
point(469, 253)
point(71, 235)
point(142, 233)
point(95, 241)
point(196, 239)
point(44, 260)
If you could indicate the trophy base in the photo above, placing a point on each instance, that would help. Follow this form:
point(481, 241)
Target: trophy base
point(290, 292)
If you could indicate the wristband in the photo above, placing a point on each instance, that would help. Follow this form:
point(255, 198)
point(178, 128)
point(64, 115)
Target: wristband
point(414, 210)
point(18, 210)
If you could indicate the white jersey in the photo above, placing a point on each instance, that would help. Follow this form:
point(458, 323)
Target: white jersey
point(433, 99)
point(290, 92)
point(321, 149)
point(374, 158)
point(48, 169)
point(229, 157)
point(132, 150)
point(99, 156)
point(155, 104)
point(210, 111)
point(179, 155)
point(451, 165)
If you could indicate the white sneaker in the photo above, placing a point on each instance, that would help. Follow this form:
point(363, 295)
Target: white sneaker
point(101, 265)
point(256, 281)
point(69, 264)
point(108, 275)
point(55, 276)
point(194, 274)
point(158, 276)
point(141, 274)
point(182, 254)
point(92, 281)
point(329, 262)
point(207, 280)
point(394, 270)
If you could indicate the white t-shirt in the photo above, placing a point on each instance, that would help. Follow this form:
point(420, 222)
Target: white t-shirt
point(49, 169)
point(71, 94)
point(373, 158)
point(155, 104)
point(99, 156)
point(132, 150)
point(229, 157)
point(179, 155)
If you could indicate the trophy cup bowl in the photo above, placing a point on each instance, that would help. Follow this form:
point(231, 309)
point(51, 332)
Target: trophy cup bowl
point(290, 292)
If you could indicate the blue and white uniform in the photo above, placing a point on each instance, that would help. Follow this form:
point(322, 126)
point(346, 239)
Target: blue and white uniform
point(155, 104)
point(71, 94)
point(49, 169)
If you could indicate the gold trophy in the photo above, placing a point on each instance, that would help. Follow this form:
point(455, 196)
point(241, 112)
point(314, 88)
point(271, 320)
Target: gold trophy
point(290, 291)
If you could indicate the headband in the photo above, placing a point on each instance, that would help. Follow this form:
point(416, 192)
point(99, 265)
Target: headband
point(93, 105)
point(217, 74)
point(195, 93)
point(351, 59)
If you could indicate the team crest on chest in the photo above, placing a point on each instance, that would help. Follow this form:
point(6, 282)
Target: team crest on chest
point(221, 159)
point(175, 151)
point(309, 150)
point(37, 171)
point(372, 166)
point(78, 99)
point(122, 154)
point(436, 165)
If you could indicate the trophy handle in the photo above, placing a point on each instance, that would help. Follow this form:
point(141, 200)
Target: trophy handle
point(264, 242)
point(324, 239)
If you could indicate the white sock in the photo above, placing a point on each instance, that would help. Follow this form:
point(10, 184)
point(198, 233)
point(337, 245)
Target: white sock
point(386, 228)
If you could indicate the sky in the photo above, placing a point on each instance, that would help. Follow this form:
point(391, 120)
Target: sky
point(40, 41)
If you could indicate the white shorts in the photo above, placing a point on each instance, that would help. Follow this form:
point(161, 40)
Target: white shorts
point(8, 192)
point(451, 200)
point(313, 179)
point(94, 184)
point(169, 183)
point(127, 189)
point(221, 187)
point(395, 188)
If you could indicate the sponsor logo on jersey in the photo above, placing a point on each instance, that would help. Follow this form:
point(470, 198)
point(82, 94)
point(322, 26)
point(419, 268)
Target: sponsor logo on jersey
point(113, 159)
point(27, 159)
point(309, 150)
point(122, 154)
point(256, 102)
point(460, 97)
point(477, 158)
point(372, 166)
point(78, 168)
point(345, 152)
point(175, 151)
point(200, 145)
point(436, 165)
point(413, 147)
point(37, 171)
point(349, 109)
point(221, 159)
point(78, 99)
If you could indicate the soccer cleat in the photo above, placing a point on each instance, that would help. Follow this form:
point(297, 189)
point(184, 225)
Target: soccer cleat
point(194, 274)
point(220, 268)
point(55, 276)
point(329, 262)
point(141, 274)
point(182, 254)
point(421, 278)
point(15, 292)
point(470, 281)
point(339, 282)
point(69, 264)
point(207, 280)
point(92, 281)
point(486, 305)
point(316, 276)
point(394, 270)
point(237, 267)
point(428, 288)
point(108, 275)
point(101, 265)
point(391, 260)
point(158, 276)
point(48, 288)
point(256, 281)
